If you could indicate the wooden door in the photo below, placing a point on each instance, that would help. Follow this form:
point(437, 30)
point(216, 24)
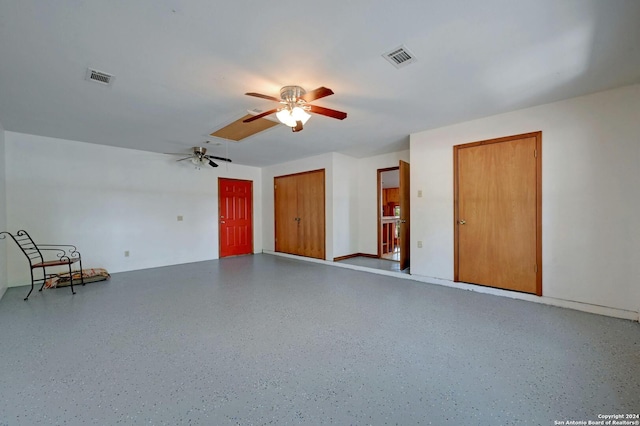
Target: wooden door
point(497, 212)
point(311, 221)
point(405, 193)
point(235, 206)
point(286, 214)
point(300, 214)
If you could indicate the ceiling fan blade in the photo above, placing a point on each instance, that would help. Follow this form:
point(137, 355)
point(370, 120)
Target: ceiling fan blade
point(218, 158)
point(298, 127)
point(328, 112)
point(320, 92)
point(212, 164)
point(264, 114)
point(260, 95)
point(185, 158)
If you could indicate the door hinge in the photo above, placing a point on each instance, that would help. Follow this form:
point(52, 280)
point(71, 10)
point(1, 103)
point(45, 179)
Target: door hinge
point(535, 268)
point(535, 153)
point(275, 186)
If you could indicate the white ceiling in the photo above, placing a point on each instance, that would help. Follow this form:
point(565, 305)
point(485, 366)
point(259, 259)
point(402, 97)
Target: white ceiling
point(182, 67)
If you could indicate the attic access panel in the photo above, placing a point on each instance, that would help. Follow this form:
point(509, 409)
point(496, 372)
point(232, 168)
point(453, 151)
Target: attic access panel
point(237, 130)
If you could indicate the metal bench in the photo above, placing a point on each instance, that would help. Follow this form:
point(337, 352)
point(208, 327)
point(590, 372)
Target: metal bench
point(57, 255)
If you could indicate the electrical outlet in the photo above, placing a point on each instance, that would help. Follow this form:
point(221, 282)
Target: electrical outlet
point(419, 244)
point(419, 193)
point(126, 253)
point(180, 218)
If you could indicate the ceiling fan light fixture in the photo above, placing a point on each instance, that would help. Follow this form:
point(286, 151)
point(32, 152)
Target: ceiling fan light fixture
point(290, 117)
point(300, 114)
point(284, 115)
point(199, 161)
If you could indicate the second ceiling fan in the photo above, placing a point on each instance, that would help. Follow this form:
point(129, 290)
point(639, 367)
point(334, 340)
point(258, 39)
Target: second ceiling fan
point(296, 108)
point(199, 157)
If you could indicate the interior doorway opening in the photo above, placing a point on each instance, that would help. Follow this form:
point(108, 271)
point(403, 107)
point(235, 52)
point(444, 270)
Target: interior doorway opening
point(393, 224)
point(389, 213)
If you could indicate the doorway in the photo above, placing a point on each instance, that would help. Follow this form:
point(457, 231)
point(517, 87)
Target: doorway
point(497, 213)
point(393, 214)
point(235, 212)
point(389, 208)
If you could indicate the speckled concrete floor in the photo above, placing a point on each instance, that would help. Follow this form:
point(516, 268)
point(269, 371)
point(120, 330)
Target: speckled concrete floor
point(269, 340)
point(381, 264)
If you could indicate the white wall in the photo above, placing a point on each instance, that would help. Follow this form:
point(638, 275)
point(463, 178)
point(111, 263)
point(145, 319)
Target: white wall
point(3, 216)
point(590, 202)
point(324, 161)
point(107, 200)
point(368, 197)
point(345, 205)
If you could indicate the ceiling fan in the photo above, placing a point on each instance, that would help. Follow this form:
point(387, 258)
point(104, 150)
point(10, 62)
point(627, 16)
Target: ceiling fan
point(296, 108)
point(200, 157)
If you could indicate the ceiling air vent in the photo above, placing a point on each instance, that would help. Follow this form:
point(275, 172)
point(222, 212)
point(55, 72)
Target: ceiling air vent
point(99, 77)
point(399, 57)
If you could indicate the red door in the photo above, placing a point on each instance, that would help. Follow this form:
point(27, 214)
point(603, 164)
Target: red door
point(236, 216)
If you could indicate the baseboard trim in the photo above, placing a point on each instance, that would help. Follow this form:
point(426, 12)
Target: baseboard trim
point(350, 256)
point(545, 300)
